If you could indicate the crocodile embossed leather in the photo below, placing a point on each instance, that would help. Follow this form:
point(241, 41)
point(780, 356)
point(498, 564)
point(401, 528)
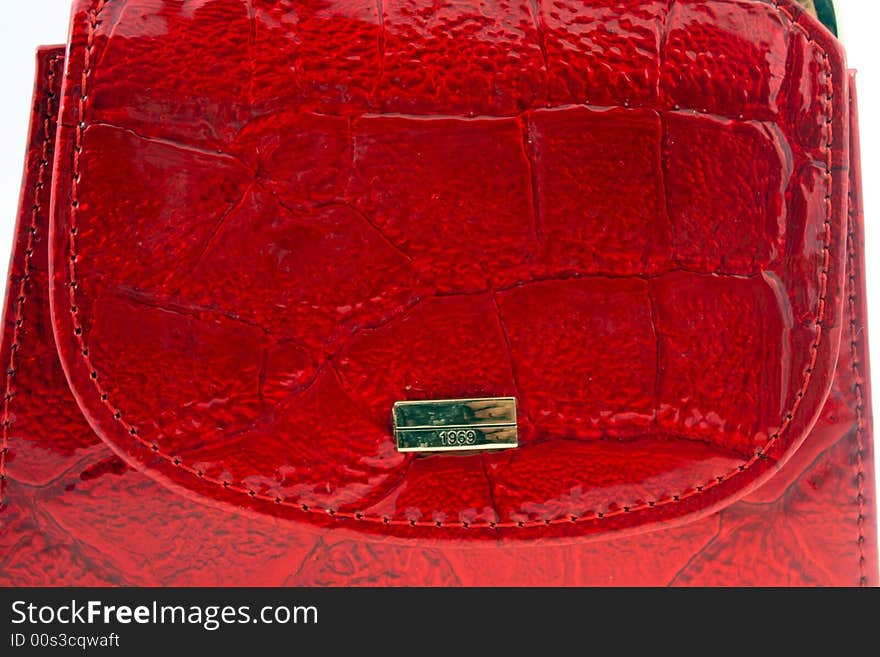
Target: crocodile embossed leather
point(249, 228)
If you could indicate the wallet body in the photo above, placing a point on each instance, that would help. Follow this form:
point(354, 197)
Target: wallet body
point(247, 229)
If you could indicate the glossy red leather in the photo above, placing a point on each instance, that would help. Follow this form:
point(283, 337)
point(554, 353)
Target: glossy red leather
point(238, 310)
point(255, 285)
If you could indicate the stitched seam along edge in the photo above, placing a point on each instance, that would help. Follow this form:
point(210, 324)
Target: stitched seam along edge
point(37, 207)
point(614, 509)
point(858, 392)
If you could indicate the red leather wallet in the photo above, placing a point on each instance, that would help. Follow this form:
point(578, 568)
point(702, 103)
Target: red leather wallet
point(249, 230)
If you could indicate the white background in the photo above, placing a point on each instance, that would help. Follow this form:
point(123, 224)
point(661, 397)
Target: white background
point(29, 23)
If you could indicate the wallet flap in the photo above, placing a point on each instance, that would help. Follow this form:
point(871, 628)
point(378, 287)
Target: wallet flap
point(274, 220)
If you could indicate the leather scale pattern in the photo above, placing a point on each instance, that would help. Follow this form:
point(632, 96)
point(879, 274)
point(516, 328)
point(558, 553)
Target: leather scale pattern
point(274, 445)
point(75, 512)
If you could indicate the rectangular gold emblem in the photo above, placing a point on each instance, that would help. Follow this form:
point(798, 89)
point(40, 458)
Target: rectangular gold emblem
point(455, 424)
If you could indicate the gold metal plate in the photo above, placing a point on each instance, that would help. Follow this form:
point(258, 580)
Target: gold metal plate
point(445, 425)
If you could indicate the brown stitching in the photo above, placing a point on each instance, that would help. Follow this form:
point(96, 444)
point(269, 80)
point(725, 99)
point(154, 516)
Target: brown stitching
point(858, 392)
point(614, 509)
point(37, 207)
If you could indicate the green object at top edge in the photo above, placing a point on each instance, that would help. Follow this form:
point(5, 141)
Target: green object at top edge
point(824, 11)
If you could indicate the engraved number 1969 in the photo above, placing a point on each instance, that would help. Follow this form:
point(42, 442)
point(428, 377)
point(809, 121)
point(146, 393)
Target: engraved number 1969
point(456, 437)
